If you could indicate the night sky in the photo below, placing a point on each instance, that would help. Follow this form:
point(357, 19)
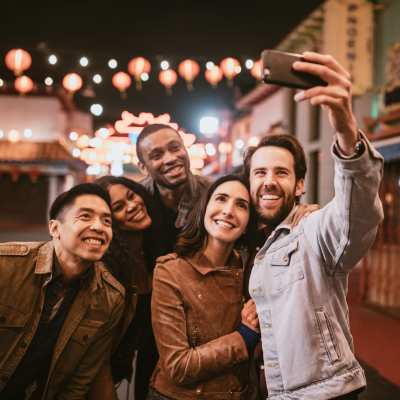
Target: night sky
point(203, 30)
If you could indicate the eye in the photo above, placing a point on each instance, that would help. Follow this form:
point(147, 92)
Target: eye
point(220, 198)
point(85, 216)
point(131, 195)
point(282, 173)
point(107, 221)
point(259, 173)
point(156, 155)
point(175, 147)
point(243, 205)
point(117, 208)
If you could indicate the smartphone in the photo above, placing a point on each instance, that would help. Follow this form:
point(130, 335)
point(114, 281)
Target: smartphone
point(277, 69)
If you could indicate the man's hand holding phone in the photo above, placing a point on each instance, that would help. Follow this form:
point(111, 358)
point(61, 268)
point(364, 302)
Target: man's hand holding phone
point(335, 96)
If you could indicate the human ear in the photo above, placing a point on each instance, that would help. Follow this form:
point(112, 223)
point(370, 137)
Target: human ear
point(54, 228)
point(299, 187)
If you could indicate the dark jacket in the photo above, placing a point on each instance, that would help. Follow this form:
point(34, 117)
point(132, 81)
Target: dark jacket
point(196, 308)
point(85, 339)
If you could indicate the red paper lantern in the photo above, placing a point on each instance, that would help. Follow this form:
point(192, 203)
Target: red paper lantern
point(23, 84)
point(214, 75)
point(168, 78)
point(18, 60)
point(72, 82)
point(136, 67)
point(256, 70)
point(121, 80)
point(230, 67)
point(188, 70)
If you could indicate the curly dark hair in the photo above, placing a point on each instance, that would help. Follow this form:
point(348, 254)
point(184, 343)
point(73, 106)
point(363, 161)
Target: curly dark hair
point(119, 258)
point(194, 234)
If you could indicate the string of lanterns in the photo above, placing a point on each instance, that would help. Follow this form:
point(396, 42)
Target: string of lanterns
point(19, 60)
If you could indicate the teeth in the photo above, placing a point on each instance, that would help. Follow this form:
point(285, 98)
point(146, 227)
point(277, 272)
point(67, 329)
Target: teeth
point(93, 241)
point(224, 224)
point(270, 197)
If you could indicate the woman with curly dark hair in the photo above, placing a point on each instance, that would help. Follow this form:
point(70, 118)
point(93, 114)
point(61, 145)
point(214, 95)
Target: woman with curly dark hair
point(137, 242)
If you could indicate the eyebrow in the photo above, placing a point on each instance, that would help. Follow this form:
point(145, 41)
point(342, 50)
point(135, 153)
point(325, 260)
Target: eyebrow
point(91, 211)
point(227, 195)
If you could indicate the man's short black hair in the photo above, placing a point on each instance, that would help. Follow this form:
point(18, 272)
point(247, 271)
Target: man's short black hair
point(146, 131)
point(67, 198)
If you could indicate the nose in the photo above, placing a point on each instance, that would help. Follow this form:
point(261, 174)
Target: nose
point(169, 157)
point(227, 208)
point(97, 225)
point(132, 205)
point(269, 178)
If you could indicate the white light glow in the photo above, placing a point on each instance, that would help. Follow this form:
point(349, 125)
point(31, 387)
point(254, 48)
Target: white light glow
point(14, 136)
point(1, 134)
point(1, 83)
point(28, 133)
point(97, 78)
point(144, 76)
point(253, 141)
point(210, 149)
point(95, 142)
point(103, 133)
point(209, 125)
point(112, 63)
point(117, 169)
point(48, 81)
point(210, 65)
point(94, 169)
point(53, 59)
point(238, 69)
point(239, 144)
point(164, 65)
point(84, 61)
point(76, 152)
point(249, 63)
point(96, 109)
point(73, 136)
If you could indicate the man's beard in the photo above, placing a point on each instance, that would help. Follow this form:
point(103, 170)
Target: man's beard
point(272, 221)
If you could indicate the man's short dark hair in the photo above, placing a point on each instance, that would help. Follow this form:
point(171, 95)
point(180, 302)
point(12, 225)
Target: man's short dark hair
point(67, 198)
point(146, 131)
point(286, 141)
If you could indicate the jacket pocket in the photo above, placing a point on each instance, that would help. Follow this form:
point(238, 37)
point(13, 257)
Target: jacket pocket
point(285, 266)
point(328, 335)
point(85, 331)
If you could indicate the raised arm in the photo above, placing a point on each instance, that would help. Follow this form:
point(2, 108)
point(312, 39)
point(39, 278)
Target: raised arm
point(343, 231)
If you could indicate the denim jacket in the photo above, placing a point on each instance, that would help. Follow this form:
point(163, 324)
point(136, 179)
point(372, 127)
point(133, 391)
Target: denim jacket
point(299, 284)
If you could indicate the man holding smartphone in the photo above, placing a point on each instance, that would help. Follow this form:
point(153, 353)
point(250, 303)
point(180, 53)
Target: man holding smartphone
point(299, 277)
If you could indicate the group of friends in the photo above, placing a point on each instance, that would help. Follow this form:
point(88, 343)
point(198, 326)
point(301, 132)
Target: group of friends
point(197, 278)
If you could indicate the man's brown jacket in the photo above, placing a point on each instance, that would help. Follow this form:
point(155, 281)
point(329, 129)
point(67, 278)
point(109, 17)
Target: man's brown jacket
point(85, 338)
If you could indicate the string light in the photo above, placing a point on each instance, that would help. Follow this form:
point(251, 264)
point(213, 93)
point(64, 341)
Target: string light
point(113, 63)
point(210, 65)
point(28, 133)
point(249, 63)
point(52, 59)
point(144, 77)
point(97, 78)
point(84, 61)
point(164, 65)
point(76, 152)
point(73, 136)
point(48, 81)
point(96, 109)
point(1, 83)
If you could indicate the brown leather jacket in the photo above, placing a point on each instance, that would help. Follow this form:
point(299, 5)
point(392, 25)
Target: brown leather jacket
point(195, 310)
point(85, 338)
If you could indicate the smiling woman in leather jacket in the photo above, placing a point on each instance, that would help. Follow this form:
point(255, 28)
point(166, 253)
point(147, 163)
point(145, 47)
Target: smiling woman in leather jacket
point(203, 331)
